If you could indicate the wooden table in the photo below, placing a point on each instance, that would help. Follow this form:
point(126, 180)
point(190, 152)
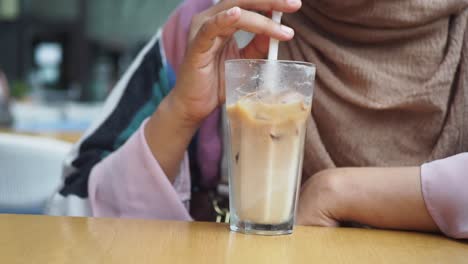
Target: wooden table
point(40, 239)
point(71, 137)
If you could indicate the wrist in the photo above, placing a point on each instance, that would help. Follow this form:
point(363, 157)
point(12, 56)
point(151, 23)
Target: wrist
point(183, 113)
point(179, 112)
point(168, 134)
point(334, 187)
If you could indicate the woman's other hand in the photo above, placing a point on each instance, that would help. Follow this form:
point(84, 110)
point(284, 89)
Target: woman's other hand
point(319, 202)
point(380, 197)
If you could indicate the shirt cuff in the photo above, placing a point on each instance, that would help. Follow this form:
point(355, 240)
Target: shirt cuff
point(444, 184)
point(130, 183)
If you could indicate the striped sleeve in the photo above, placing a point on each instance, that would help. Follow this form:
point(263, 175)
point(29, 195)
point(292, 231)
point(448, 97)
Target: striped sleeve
point(135, 97)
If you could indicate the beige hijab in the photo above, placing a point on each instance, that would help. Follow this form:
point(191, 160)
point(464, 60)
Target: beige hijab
point(392, 80)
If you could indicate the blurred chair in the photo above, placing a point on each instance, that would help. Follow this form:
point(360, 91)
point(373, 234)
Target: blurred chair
point(30, 172)
point(5, 114)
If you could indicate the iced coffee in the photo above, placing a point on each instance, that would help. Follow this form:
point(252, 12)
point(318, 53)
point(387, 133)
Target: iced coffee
point(266, 134)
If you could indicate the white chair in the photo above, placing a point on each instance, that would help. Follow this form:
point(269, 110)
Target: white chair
point(30, 172)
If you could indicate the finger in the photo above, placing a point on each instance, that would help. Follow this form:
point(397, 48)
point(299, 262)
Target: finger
point(261, 25)
point(287, 6)
point(257, 48)
point(227, 22)
point(217, 26)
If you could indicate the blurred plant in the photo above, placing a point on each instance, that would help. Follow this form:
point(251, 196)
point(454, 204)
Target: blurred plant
point(19, 89)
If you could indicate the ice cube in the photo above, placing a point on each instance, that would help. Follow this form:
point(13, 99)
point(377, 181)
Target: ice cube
point(264, 95)
point(290, 97)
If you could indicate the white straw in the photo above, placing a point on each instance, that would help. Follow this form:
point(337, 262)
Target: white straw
point(273, 49)
point(270, 75)
point(270, 71)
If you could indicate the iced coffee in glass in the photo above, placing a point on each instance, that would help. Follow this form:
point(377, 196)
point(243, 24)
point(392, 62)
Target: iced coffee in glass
point(267, 106)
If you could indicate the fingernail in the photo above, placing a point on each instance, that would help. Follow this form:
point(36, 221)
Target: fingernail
point(293, 2)
point(287, 30)
point(232, 11)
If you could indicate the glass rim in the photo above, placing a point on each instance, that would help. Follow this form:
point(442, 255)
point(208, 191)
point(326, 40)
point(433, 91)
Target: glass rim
point(310, 64)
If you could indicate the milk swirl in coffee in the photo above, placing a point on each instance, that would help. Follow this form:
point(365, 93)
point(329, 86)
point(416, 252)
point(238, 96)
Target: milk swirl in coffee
point(267, 138)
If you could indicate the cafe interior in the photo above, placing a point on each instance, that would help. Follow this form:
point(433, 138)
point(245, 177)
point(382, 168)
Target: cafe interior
point(59, 62)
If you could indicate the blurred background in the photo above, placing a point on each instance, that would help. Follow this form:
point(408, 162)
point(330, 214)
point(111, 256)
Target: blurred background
point(60, 58)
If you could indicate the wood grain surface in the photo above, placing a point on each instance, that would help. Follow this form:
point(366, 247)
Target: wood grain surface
point(71, 137)
point(42, 239)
